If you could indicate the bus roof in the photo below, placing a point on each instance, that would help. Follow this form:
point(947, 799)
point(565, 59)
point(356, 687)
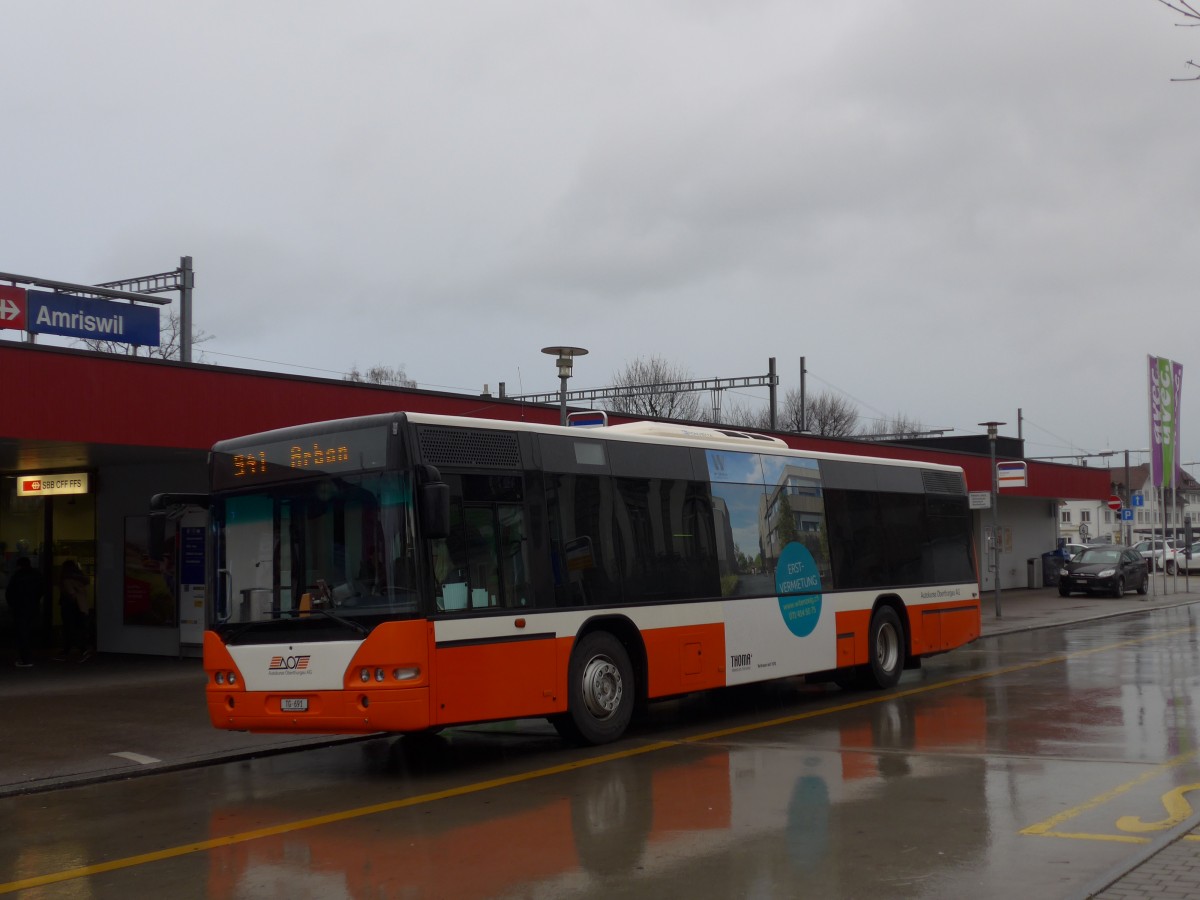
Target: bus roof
point(703, 436)
point(711, 437)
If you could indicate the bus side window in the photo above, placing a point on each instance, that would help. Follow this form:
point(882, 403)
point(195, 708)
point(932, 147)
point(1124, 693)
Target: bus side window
point(482, 561)
point(514, 563)
point(451, 563)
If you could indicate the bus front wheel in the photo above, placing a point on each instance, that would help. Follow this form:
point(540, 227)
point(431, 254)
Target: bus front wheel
point(600, 691)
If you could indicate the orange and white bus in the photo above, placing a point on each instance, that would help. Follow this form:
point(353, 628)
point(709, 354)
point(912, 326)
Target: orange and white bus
point(407, 572)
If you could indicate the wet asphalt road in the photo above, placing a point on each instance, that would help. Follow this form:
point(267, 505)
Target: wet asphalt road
point(1026, 765)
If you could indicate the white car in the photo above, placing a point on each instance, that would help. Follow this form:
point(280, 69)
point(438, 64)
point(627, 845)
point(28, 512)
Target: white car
point(1178, 559)
point(1158, 550)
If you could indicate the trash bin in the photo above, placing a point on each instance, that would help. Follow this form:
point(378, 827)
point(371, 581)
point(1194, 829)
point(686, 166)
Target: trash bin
point(1051, 563)
point(1033, 572)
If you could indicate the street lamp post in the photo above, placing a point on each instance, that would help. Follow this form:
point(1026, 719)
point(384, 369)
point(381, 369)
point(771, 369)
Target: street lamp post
point(565, 360)
point(991, 433)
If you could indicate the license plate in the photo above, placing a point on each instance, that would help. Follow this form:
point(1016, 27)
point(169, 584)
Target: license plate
point(294, 704)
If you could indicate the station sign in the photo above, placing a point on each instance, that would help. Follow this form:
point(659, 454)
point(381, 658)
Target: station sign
point(51, 485)
point(1011, 474)
point(47, 312)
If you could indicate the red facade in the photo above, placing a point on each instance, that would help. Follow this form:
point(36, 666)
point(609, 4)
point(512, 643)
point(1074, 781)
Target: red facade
point(74, 396)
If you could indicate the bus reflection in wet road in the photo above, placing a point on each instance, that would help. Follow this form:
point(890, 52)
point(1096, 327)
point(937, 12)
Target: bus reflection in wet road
point(625, 820)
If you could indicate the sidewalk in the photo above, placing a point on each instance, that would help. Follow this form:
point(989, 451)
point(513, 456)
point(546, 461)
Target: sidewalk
point(117, 716)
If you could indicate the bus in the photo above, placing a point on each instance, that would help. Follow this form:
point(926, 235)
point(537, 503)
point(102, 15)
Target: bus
point(406, 572)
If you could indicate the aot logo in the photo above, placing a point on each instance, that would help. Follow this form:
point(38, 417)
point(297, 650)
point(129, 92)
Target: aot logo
point(289, 664)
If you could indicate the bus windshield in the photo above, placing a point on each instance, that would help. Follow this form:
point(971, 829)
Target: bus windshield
point(328, 547)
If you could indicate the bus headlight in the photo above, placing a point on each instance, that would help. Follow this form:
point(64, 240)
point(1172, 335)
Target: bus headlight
point(379, 674)
point(409, 674)
point(220, 678)
point(364, 675)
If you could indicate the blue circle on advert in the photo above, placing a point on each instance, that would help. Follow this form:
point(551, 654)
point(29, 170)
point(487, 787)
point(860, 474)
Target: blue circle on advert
point(798, 584)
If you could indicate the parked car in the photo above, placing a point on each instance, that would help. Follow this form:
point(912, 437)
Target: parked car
point(1179, 559)
point(1107, 568)
point(1073, 550)
point(1158, 550)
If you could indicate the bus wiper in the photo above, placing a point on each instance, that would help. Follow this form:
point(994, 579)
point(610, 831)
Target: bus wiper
point(349, 623)
point(277, 614)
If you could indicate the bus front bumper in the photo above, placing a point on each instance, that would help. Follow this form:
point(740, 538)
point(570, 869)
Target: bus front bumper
point(320, 712)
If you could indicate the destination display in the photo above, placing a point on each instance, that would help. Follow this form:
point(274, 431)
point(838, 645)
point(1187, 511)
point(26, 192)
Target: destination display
point(328, 453)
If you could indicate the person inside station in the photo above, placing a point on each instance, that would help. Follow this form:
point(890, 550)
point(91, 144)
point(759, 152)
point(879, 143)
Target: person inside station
point(72, 603)
point(24, 594)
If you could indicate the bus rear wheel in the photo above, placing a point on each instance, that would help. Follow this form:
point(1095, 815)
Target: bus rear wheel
point(600, 691)
point(885, 649)
point(885, 652)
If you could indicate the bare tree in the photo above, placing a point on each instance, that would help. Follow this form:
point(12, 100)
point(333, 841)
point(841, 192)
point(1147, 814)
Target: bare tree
point(827, 414)
point(1188, 11)
point(169, 335)
point(746, 417)
point(899, 426)
point(645, 379)
point(381, 374)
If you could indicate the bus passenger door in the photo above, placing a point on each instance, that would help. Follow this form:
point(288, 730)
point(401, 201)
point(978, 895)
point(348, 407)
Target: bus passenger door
point(494, 666)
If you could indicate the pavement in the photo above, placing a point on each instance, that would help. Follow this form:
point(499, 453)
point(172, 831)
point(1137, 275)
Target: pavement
point(119, 716)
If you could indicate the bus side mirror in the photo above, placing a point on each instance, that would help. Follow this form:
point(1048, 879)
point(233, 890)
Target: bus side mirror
point(435, 510)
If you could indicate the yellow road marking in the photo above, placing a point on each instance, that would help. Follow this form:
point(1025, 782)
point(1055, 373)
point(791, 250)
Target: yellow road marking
point(1177, 807)
point(481, 786)
point(1046, 828)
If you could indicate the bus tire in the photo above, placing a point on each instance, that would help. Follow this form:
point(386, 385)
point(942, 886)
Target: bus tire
point(600, 691)
point(885, 649)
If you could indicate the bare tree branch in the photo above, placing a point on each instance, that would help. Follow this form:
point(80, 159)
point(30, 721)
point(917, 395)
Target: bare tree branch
point(1194, 77)
point(643, 377)
point(898, 426)
point(169, 336)
point(827, 414)
point(1184, 9)
point(381, 374)
point(1187, 10)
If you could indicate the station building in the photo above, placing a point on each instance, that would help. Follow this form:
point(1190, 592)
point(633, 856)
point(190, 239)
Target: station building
point(86, 439)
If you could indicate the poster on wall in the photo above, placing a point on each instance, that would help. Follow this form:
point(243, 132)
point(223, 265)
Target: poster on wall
point(149, 597)
point(192, 552)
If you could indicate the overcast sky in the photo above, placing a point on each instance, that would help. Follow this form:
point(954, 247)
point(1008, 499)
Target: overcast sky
point(952, 210)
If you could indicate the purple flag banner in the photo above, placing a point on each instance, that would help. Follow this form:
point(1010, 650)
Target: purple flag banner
point(1166, 386)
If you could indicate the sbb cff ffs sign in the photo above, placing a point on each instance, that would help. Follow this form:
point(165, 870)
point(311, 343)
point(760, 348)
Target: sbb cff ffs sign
point(49, 485)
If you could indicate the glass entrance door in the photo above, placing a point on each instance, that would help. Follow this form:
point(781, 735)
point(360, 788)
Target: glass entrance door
point(72, 526)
